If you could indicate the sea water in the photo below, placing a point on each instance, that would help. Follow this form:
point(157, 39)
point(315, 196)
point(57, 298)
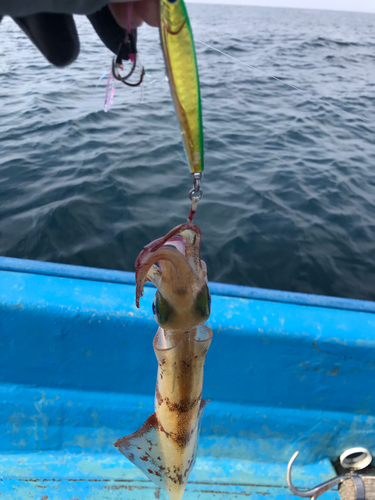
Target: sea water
point(289, 186)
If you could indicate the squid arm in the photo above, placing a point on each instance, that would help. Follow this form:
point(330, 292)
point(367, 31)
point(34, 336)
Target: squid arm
point(165, 447)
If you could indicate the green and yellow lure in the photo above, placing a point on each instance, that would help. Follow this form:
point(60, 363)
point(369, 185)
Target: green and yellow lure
point(179, 52)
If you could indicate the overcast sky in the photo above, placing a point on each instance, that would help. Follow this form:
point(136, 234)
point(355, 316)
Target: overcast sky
point(351, 5)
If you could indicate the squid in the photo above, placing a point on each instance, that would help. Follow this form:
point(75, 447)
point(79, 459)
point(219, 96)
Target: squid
point(165, 446)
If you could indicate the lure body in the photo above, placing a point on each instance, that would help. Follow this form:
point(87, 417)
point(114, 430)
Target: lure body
point(179, 53)
point(164, 448)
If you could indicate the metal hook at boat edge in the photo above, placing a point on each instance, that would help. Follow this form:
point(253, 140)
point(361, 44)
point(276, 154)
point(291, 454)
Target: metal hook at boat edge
point(318, 490)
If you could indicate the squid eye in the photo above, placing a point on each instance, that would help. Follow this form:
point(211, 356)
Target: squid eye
point(203, 302)
point(162, 309)
point(172, 1)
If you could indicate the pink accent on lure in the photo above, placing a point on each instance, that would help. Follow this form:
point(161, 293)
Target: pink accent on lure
point(111, 98)
point(191, 215)
point(107, 87)
point(109, 94)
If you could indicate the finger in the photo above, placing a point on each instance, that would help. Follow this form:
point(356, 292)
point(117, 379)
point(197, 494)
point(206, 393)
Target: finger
point(120, 12)
point(148, 10)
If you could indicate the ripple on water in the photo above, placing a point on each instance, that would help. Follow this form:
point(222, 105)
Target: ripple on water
point(289, 189)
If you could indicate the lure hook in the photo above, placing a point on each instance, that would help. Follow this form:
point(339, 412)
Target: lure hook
point(127, 50)
point(314, 492)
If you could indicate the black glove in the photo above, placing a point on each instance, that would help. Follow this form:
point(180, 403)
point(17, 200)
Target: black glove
point(55, 34)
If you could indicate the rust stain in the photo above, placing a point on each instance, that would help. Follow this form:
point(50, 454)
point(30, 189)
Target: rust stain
point(215, 492)
point(130, 480)
point(128, 487)
point(335, 371)
point(118, 487)
point(157, 494)
point(45, 497)
point(240, 485)
point(54, 480)
point(317, 348)
point(91, 480)
point(145, 459)
point(197, 483)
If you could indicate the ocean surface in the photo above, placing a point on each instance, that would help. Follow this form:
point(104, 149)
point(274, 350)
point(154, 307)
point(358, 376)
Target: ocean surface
point(289, 187)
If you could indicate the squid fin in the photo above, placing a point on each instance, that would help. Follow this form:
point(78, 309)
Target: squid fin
point(144, 450)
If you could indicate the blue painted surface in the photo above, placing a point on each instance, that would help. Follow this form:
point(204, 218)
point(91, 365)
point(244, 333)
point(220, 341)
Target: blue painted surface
point(77, 371)
point(79, 334)
point(104, 476)
point(42, 419)
point(127, 278)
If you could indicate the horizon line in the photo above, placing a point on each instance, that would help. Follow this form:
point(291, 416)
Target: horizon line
point(244, 3)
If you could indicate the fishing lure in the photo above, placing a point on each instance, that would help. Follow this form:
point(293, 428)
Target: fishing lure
point(165, 447)
point(111, 86)
point(179, 53)
point(110, 89)
point(127, 51)
point(109, 92)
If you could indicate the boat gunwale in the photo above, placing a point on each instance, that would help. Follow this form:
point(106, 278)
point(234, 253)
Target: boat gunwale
point(128, 278)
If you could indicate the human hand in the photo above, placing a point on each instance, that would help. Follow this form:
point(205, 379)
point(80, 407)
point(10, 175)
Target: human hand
point(143, 10)
point(50, 26)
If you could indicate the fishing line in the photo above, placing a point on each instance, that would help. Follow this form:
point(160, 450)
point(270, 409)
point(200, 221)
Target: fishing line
point(284, 83)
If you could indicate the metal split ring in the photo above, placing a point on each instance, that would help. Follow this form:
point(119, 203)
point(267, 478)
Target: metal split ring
point(196, 193)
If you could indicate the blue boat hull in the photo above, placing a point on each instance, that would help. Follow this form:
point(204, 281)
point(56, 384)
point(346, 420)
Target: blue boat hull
point(285, 372)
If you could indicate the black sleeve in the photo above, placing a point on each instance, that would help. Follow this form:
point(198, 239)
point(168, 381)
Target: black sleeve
point(110, 33)
point(55, 34)
point(22, 8)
